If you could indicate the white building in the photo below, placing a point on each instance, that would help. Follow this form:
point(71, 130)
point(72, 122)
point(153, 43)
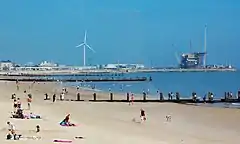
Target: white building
point(6, 65)
point(47, 64)
point(124, 66)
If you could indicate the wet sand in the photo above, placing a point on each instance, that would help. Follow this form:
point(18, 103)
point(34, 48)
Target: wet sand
point(105, 123)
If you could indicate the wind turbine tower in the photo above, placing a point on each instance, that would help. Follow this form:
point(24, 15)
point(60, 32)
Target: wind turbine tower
point(84, 44)
point(205, 45)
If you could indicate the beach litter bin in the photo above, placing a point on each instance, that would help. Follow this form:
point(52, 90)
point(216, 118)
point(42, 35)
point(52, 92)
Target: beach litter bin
point(94, 96)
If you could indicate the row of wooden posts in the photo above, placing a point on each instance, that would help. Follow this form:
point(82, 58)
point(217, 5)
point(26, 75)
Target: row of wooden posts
point(161, 98)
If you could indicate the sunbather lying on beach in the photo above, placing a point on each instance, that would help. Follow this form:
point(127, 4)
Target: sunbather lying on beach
point(32, 116)
point(20, 115)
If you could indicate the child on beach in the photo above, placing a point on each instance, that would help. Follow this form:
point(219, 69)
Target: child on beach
point(62, 96)
point(29, 100)
point(132, 99)
point(37, 129)
point(142, 115)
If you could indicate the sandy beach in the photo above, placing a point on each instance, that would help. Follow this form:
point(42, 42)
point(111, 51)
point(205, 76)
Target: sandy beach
point(107, 123)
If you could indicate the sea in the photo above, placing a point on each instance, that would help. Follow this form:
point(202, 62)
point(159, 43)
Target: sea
point(183, 82)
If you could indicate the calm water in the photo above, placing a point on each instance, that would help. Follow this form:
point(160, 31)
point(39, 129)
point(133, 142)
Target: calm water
point(185, 83)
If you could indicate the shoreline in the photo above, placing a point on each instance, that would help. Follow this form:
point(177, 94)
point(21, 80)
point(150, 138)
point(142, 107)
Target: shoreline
point(73, 72)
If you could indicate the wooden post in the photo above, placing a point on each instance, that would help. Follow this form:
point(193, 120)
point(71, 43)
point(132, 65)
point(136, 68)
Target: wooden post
point(111, 96)
point(127, 96)
point(78, 97)
point(94, 96)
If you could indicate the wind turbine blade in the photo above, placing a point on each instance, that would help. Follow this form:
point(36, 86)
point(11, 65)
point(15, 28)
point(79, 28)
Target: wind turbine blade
point(80, 45)
point(90, 48)
point(177, 57)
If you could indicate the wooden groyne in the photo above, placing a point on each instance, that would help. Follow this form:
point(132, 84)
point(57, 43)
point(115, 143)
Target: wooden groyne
point(157, 100)
point(42, 79)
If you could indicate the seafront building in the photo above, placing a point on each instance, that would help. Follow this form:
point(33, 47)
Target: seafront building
point(6, 65)
point(51, 66)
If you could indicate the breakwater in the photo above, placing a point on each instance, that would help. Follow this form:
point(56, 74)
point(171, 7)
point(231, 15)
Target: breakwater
point(144, 98)
point(63, 75)
point(44, 79)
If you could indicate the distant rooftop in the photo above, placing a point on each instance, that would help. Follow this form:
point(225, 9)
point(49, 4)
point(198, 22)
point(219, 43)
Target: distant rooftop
point(5, 61)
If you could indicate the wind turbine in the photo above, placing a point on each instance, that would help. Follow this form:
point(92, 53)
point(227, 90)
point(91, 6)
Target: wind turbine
point(84, 44)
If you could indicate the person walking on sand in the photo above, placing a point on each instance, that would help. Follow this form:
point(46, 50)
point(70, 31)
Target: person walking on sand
point(29, 101)
point(54, 98)
point(132, 99)
point(142, 115)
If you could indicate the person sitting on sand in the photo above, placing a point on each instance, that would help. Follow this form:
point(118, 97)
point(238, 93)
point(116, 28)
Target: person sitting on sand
point(18, 114)
point(15, 104)
point(11, 127)
point(37, 129)
point(66, 121)
point(19, 103)
point(11, 136)
point(13, 96)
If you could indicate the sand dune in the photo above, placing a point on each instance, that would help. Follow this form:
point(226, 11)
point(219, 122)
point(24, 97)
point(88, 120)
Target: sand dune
point(113, 122)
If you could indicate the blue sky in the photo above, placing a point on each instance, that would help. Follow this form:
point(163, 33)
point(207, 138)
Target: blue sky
point(131, 31)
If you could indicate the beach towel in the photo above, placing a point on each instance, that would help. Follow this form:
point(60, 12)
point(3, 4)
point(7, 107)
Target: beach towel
point(62, 141)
